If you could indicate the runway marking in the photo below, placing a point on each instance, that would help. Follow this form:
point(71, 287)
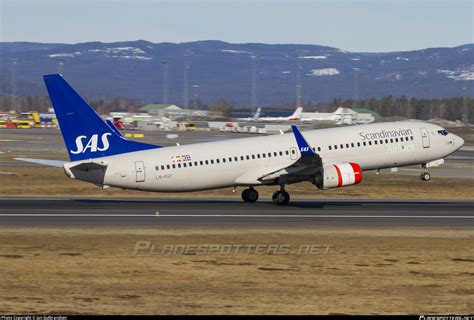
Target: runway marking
point(307, 216)
point(157, 214)
point(73, 215)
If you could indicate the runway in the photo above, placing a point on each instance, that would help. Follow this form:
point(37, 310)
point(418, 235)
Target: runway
point(232, 213)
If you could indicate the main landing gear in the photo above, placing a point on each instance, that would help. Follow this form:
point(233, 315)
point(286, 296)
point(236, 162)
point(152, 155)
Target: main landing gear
point(425, 176)
point(250, 195)
point(281, 197)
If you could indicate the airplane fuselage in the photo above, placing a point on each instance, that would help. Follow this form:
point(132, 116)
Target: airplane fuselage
point(240, 162)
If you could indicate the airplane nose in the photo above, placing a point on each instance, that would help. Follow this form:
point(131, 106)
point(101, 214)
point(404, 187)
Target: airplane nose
point(458, 142)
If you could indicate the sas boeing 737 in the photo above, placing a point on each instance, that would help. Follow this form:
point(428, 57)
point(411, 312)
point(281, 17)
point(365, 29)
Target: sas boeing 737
point(329, 158)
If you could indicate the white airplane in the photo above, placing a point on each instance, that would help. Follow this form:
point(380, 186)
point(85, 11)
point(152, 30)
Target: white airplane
point(329, 158)
point(294, 117)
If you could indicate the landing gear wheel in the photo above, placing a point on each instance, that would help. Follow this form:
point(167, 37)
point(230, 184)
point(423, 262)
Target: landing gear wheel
point(425, 176)
point(281, 198)
point(250, 195)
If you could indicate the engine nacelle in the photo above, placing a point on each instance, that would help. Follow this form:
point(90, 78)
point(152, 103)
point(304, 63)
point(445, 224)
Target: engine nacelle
point(338, 175)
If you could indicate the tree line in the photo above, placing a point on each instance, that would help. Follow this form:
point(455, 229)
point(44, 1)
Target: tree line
point(452, 108)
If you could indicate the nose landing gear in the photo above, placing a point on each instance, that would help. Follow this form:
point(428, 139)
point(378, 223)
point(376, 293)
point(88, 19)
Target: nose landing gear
point(425, 176)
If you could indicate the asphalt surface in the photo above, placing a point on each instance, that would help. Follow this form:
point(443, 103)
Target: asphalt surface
point(231, 213)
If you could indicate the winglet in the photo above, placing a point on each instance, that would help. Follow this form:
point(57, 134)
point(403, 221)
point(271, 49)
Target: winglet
point(303, 146)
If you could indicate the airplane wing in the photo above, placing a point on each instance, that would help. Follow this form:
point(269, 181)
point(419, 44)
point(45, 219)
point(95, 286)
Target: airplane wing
point(46, 162)
point(307, 164)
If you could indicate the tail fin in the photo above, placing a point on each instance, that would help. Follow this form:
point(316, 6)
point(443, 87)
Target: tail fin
point(257, 114)
point(297, 114)
point(86, 135)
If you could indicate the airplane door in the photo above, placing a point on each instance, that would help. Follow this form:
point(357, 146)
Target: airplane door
point(425, 137)
point(293, 153)
point(140, 171)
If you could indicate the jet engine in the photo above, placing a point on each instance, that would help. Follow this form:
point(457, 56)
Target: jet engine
point(338, 175)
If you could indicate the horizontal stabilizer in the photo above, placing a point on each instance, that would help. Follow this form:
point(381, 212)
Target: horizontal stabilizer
point(46, 162)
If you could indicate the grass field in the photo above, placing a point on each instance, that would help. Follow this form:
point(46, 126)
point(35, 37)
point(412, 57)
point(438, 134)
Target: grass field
point(75, 271)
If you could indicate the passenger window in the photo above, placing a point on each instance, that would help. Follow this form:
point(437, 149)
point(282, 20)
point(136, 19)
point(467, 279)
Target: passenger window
point(217, 161)
point(207, 162)
point(364, 143)
point(156, 168)
point(335, 147)
point(190, 164)
point(396, 139)
point(248, 157)
point(184, 165)
point(386, 141)
point(375, 142)
point(293, 151)
point(195, 163)
point(264, 155)
point(201, 163)
point(381, 141)
point(342, 146)
point(212, 161)
point(287, 152)
point(174, 166)
point(269, 154)
point(281, 153)
point(347, 145)
point(223, 160)
point(319, 148)
point(358, 144)
point(237, 159)
point(275, 154)
point(179, 165)
point(391, 140)
point(352, 144)
point(330, 148)
point(411, 138)
point(370, 143)
point(162, 167)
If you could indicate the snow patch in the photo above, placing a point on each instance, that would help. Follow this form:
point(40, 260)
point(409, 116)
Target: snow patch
point(285, 72)
point(355, 59)
point(459, 73)
point(235, 51)
point(323, 72)
point(64, 55)
point(313, 57)
point(402, 58)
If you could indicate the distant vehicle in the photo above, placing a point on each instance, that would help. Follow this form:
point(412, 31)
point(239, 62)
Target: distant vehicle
point(329, 158)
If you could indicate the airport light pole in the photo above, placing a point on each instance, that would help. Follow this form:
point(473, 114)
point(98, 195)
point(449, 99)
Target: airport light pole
point(185, 85)
point(165, 81)
point(299, 86)
point(254, 84)
point(355, 95)
point(195, 96)
point(14, 62)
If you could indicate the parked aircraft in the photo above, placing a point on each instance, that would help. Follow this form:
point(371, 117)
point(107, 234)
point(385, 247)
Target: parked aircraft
point(329, 158)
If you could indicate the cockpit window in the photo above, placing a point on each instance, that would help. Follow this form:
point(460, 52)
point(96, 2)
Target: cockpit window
point(443, 132)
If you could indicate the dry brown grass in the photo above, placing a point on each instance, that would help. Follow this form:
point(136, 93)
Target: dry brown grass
point(43, 181)
point(365, 271)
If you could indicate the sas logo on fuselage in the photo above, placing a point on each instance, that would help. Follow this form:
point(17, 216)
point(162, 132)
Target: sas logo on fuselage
point(92, 144)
